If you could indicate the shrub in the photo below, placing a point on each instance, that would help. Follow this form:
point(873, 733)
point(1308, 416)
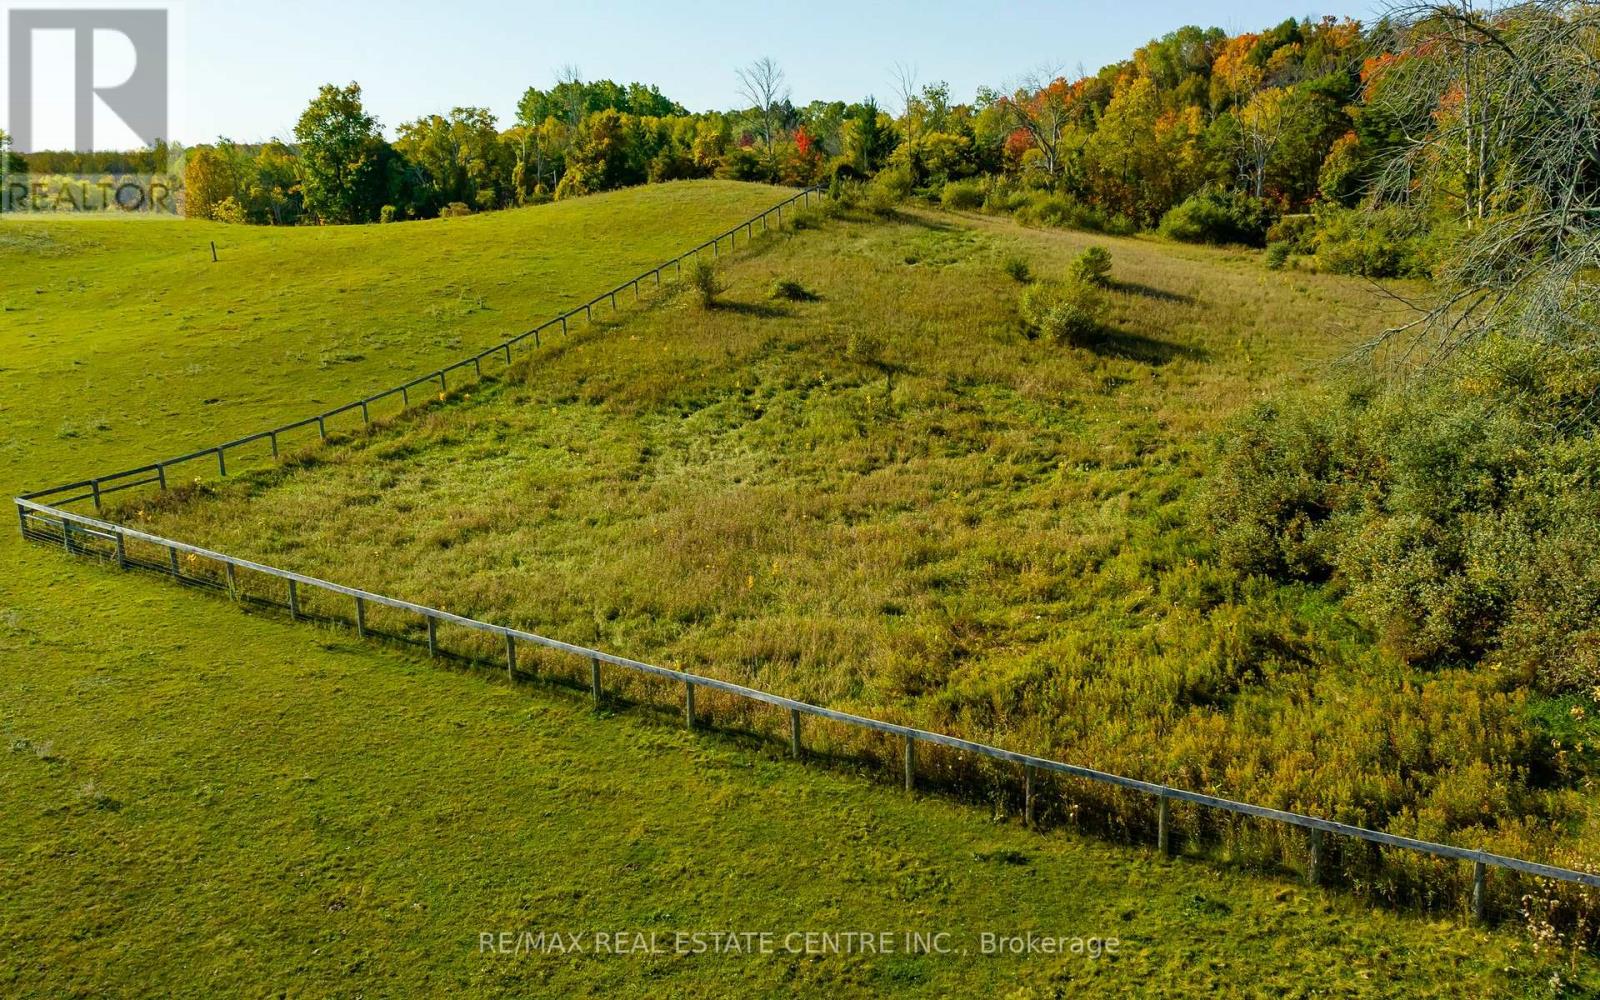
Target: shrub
point(1388, 242)
point(1294, 230)
point(1277, 255)
point(455, 209)
point(1063, 312)
point(1017, 269)
point(705, 281)
point(1044, 208)
point(1093, 267)
point(792, 291)
point(1458, 515)
point(886, 191)
point(963, 195)
point(1218, 217)
point(386, 214)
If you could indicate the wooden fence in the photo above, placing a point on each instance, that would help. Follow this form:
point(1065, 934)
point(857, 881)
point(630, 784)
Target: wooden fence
point(82, 535)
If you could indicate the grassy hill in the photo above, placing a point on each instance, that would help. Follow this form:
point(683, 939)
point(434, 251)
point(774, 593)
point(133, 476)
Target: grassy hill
point(204, 802)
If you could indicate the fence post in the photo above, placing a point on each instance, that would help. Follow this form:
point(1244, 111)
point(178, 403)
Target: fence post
point(594, 681)
point(222, 464)
point(366, 416)
point(433, 637)
point(911, 763)
point(273, 435)
point(1027, 795)
point(405, 395)
point(536, 343)
point(66, 535)
point(322, 428)
point(172, 560)
point(95, 486)
point(795, 750)
point(294, 601)
point(688, 704)
point(1314, 871)
point(511, 657)
point(442, 387)
point(508, 345)
point(122, 552)
point(161, 475)
point(233, 580)
point(361, 617)
point(563, 324)
point(1164, 827)
point(1479, 871)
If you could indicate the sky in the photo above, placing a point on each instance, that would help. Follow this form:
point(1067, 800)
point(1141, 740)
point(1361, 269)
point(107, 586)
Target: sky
point(245, 70)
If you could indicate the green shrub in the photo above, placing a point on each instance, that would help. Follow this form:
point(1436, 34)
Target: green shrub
point(1294, 230)
point(705, 281)
point(386, 214)
point(1017, 269)
point(1460, 516)
point(888, 189)
point(1218, 217)
point(1277, 255)
point(454, 210)
point(1093, 267)
point(1063, 312)
point(1389, 242)
point(963, 195)
point(792, 291)
point(1060, 211)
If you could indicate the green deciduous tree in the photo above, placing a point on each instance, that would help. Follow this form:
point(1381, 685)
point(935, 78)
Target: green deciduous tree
point(343, 157)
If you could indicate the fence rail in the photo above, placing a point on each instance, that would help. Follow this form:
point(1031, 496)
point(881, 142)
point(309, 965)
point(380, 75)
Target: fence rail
point(97, 488)
point(80, 534)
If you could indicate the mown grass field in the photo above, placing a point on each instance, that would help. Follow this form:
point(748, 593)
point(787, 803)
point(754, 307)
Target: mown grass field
point(201, 802)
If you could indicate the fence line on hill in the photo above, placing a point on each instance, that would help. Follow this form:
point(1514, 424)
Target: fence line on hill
point(81, 535)
point(155, 473)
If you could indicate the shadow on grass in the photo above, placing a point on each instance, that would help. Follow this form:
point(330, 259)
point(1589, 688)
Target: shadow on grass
point(758, 310)
point(1109, 342)
point(1150, 292)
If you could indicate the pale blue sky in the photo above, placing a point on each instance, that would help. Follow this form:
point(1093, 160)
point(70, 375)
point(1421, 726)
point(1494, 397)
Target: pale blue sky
point(251, 67)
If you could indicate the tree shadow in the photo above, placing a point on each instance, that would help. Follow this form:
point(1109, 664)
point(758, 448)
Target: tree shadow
point(1150, 292)
point(760, 310)
point(1109, 342)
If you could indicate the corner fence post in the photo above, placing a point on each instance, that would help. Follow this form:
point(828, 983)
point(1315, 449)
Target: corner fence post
point(795, 749)
point(911, 763)
point(361, 617)
point(1027, 796)
point(1479, 872)
point(511, 657)
point(688, 704)
point(594, 681)
point(1314, 870)
point(1164, 827)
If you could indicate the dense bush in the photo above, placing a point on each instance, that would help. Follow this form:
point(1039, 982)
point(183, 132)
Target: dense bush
point(1218, 217)
point(1093, 266)
point(705, 281)
point(1063, 312)
point(1043, 208)
point(1460, 517)
point(965, 195)
point(1386, 242)
point(1017, 269)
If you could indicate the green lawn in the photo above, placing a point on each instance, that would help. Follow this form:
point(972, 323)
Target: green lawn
point(201, 802)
